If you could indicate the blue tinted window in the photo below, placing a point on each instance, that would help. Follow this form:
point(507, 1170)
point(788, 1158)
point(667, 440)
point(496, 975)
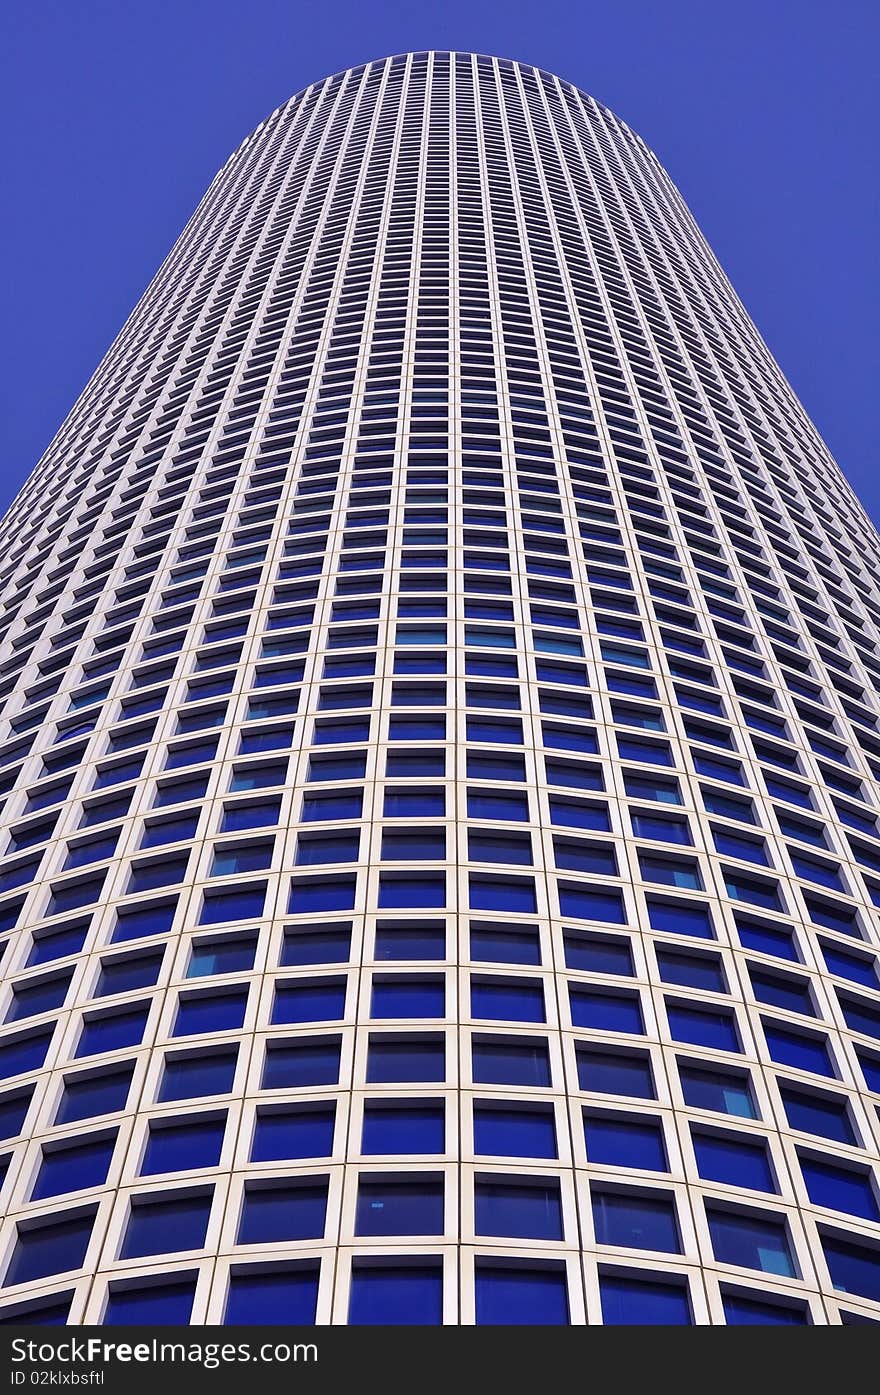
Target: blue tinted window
point(243, 904)
point(598, 954)
point(221, 956)
point(505, 944)
point(733, 1159)
point(636, 1222)
point(756, 1243)
point(49, 1249)
point(792, 994)
point(408, 997)
point(817, 1114)
point(111, 1031)
point(410, 942)
point(799, 1049)
point(304, 1000)
point(615, 1073)
point(399, 890)
point(179, 1144)
point(419, 1127)
point(742, 1311)
point(293, 1212)
point(851, 966)
point(293, 1133)
point(853, 1268)
point(703, 1027)
point(391, 1060)
point(34, 998)
point(577, 901)
point(527, 1210)
point(726, 1093)
point(510, 894)
point(209, 1012)
point(161, 1304)
point(607, 1012)
point(691, 970)
point(508, 1296)
point(517, 1000)
point(151, 919)
point(680, 918)
point(769, 939)
point(400, 1206)
point(13, 1112)
point(277, 1297)
point(53, 1313)
point(167, 1224)
point(123, 975)
point(635, 1301)
point(311, 945)
point(510, 1061)
point(525, 1133)
point(186, 1077)
point(840, 1188)
point(311, 894)
point(18, 1054)
point(395, 1294)
point(624, 1140)
point(296, 1064)
point(79, 1164)
point(87, 1097)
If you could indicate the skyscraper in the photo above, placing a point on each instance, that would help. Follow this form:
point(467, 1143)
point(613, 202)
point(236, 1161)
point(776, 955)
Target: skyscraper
point(440, 760)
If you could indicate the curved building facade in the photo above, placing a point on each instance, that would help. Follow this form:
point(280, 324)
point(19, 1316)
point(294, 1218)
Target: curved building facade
point(439, 760)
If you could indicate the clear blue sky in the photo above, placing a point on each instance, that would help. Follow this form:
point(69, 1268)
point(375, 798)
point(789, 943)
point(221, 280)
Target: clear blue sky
point(117, 113)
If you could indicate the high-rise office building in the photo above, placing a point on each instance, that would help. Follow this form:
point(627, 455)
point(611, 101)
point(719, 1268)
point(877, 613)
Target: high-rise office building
point(440, 760)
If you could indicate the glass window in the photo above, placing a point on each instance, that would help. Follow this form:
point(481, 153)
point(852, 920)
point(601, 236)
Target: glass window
point(87, 1097)
point(393, 1060)
point(176, 1145)
point(404, 1127)
point(741, 1309)
point(110, 1031)
point(527, 1210)
point(606, 1011)
point(199, 1073)
point(298, 1063)
point(400, 1294)
point(625, 1140)
point(634, 1221)
point(161, 1304)
point(703, 1027)
point(853, 1268)
point(616, 1073)
point(304, 1132)
point(308, 1000)
point(821, 1115)
point(292, 1211)
point(274, 1297)
point(51, 1248)
point(643, 1301)
point(722, 1091)
point(513, 1295)
point(680, 918)
point(400, 1206)
point(691, 970)
point(734, 1159)
point(408, 997)
point(753, 1241)
point(165, 1224)
point(840, 1188)
point(79, 1164)
point(513, 1000)
point(510, 1061)
point(209, 1012)
point(500, 1131)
